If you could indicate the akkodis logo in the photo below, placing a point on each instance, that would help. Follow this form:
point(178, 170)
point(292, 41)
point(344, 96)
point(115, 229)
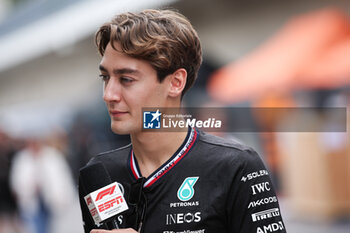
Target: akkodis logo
point(151, 120)
point(186, 190)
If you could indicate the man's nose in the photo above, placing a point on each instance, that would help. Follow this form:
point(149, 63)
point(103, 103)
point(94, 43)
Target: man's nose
point(112, 91)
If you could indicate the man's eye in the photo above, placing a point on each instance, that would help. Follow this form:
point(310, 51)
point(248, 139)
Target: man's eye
point(104, 77)
point(126, 80)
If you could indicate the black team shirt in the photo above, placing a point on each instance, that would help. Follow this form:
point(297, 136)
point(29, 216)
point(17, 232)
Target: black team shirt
point(209, 185)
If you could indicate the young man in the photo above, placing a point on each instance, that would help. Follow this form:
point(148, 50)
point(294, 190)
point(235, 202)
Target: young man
point(191, 181)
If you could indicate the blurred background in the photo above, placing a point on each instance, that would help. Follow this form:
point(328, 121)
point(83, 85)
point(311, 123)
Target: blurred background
point(257, 53)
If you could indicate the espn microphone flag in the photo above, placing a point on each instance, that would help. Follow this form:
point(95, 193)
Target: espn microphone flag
point(105, 199)
point(106, 202)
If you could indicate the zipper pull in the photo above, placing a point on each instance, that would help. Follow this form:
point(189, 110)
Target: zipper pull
point(140, 227)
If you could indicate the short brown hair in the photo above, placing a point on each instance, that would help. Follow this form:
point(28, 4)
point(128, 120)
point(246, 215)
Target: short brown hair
point(164, 38)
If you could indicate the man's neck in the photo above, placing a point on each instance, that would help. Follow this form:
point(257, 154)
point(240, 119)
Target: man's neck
point(152, 149)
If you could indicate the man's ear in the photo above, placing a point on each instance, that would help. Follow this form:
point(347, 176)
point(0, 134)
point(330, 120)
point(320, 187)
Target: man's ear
point(177, 82)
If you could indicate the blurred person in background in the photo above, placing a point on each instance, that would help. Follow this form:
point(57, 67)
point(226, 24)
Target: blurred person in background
point(42, 182)
point(190, 181)
point(87, 137)
point(8, 208)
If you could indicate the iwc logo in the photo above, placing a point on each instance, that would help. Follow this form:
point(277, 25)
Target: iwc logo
point(186, 190)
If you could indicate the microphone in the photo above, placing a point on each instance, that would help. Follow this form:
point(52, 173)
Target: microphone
point(105, 199)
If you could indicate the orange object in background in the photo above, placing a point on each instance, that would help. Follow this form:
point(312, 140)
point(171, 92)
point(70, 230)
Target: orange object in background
point(311, 50)
point(330, 70)
point(269, 122)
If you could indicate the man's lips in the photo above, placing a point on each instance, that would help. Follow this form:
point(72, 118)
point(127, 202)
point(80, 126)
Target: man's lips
point(116, 113)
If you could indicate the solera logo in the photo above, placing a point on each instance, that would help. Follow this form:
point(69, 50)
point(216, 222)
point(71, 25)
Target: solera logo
point(105, 192)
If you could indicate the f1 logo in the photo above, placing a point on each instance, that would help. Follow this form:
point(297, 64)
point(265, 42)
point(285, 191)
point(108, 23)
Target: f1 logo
point(105, 192)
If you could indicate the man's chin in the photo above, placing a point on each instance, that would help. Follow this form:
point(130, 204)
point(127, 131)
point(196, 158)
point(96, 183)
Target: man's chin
point(122, 130)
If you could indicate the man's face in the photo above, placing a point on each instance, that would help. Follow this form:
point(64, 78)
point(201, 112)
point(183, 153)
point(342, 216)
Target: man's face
point(129, 85)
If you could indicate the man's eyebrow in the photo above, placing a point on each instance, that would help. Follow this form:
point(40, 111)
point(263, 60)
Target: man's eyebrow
point(102, 68)
point(125, 71)
point(120, 71)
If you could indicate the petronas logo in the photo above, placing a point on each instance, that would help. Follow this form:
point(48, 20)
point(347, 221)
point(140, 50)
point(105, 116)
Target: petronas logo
point(186, 190)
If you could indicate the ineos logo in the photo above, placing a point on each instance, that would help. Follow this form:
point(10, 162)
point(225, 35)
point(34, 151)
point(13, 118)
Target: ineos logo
point(180, 218)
